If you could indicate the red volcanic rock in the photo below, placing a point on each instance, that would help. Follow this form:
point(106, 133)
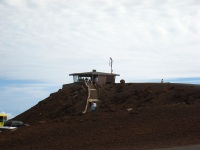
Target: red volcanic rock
point(129, 116)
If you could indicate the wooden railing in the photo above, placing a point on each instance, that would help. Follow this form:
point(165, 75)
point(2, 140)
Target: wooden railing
point(89, 99)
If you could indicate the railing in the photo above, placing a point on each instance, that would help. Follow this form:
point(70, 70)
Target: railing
point(91, 96)
point(87, 97)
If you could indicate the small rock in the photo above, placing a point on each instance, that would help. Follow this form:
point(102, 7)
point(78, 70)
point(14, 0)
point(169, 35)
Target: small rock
point(129, 109)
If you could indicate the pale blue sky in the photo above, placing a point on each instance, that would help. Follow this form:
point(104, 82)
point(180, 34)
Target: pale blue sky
point(42, 42)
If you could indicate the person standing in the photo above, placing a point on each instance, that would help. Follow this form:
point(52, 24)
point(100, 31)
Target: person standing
point(96, 80)
point(94, 105)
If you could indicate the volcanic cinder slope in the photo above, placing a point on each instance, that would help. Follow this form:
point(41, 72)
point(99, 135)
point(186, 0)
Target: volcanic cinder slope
point(129, 116)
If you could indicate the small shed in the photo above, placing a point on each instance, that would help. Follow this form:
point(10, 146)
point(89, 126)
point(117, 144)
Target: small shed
point(100, 78)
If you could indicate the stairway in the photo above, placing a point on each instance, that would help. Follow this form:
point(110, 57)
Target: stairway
point(93, 95)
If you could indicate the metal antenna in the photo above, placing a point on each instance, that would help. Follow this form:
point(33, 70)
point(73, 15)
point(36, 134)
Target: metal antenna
point(110, 64)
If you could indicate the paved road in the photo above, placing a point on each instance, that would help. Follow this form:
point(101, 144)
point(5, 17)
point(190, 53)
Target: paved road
point(190, 147)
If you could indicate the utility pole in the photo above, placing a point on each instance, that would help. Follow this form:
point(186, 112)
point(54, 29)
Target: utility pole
point(110, 64)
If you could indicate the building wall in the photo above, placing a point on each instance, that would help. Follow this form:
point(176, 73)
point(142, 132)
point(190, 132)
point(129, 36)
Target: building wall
point(110, 79)
point(101, 79)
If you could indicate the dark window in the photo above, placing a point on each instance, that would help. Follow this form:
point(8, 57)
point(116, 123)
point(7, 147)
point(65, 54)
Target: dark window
point(1, 118)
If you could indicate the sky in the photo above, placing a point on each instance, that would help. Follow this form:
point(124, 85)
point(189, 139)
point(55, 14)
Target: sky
point(43, 41)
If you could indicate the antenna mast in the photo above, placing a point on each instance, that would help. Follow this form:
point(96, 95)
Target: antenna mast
point(110, 63)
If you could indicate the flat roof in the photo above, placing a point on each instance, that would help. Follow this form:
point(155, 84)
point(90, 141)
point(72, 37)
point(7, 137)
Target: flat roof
point(95, 73)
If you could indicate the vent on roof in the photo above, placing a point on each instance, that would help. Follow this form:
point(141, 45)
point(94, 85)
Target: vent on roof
point(94, 71)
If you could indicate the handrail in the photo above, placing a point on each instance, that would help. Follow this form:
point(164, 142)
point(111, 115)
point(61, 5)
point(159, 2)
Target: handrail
point(87, 97)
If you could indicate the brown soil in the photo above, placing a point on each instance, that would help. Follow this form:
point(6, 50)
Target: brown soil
point(129, 116)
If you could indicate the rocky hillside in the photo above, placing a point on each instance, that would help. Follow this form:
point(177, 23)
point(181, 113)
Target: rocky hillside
point(129, 116)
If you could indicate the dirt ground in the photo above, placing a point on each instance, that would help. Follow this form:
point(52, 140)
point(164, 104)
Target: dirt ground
point(129, 116)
